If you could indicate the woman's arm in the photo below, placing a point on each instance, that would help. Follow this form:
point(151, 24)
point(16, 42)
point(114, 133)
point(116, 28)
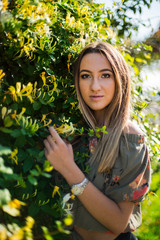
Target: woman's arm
point(112, 215)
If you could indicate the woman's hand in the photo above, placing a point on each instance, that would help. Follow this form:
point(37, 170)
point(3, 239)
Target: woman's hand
point(58, 152)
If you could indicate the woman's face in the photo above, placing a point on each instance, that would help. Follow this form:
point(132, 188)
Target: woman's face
point(96, 82)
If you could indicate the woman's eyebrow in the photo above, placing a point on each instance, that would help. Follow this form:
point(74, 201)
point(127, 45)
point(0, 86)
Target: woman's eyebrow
point(102, 70)
point(106, 70)
point(85, 70)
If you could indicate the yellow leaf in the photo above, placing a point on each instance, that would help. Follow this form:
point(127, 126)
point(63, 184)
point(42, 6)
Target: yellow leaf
point(140, 60)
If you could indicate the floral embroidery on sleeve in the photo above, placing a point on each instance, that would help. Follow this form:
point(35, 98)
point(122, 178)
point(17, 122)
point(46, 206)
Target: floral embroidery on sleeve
point(138, 182)
point(140, 192)
point(115, 180)
point(126, 197)
point(141, 140)
point(92, 145)
point(140, 185)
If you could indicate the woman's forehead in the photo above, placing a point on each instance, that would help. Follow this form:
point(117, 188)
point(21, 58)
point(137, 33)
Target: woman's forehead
point(95, 61)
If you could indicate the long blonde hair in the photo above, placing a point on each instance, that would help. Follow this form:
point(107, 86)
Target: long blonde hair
point(117, 112)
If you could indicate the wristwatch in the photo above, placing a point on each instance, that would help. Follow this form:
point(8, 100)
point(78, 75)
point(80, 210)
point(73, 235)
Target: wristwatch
point(77, 189)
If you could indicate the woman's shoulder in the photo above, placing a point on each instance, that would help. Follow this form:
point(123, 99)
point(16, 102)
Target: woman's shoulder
point(132, 134)
point(132, 128)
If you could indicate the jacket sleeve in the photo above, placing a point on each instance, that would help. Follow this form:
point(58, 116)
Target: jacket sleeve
point(131, 175)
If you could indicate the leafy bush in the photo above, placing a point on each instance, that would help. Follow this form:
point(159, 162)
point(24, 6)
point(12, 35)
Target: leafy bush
point(39, 41)
point(150, 227)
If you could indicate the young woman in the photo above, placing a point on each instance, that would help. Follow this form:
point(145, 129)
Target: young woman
point(107, 204)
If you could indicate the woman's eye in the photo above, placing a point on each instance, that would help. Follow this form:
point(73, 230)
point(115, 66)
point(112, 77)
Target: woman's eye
point(106, 75)
point(84, 76)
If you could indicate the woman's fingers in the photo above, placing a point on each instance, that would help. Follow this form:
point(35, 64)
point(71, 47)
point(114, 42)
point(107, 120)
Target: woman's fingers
point(45, 152)
point(51, 141)
point(58, 151)
point(55, 135)
point(47, 146)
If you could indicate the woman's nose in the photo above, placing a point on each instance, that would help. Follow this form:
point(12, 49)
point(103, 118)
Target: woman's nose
point(95, 84)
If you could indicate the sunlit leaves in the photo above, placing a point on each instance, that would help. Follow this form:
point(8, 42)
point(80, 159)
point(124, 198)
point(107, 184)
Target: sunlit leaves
point(98, 131)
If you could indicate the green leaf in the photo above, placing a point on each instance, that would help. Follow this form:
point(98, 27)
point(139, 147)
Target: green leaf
point(34, 172)
point(16, 133)
point(11, 176)
point(5, 197)
point(2, 183)
point(33, 209)
point(98, 135)
point(46, 233)
point(28, 164)
point(32, 180)
point(8, 122)
point(23, 131)
point(47, 175)
point(36, 105)
point(91, 132)
point(20, 141)
point(33, 152)
point(141, 60)
point(107, 21)
point(41, 154)
point(5, 130)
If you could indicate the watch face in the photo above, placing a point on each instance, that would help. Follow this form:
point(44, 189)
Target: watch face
point(77, 190)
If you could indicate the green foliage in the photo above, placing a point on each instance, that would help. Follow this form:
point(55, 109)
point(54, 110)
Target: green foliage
point(150, 227)
point(39, 41)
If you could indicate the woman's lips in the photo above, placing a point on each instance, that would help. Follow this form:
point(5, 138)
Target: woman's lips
point(96, 97)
